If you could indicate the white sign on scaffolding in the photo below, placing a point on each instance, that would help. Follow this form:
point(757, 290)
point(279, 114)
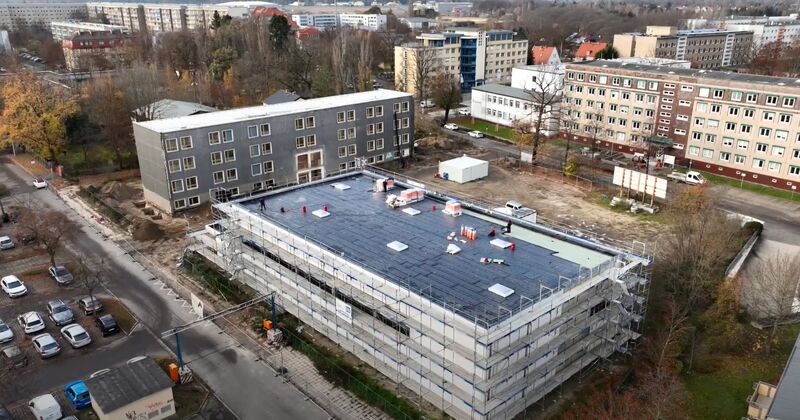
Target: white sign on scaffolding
point(640, 182)
point(197, 306)
point(344, 311)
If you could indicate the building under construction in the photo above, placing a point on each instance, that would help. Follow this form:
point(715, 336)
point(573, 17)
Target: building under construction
point(479, 312)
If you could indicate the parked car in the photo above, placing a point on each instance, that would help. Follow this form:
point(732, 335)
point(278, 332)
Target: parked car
point(13, 286)
point(45, 407)
point(39, 183)
point(464, 111)
point(31, 322)
point(61, 275)
point(77, 394)
point(476, 134)
point(427, 103)
point(6, 333)
point(107, 325)
point(46, 345)
point(76, 335)
point(451, 126)
point(12, 357)
point(6, 243)
point(90, 305)
point(59, 312)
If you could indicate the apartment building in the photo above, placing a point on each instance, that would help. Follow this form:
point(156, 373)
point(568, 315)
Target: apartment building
point(97, 50)
point(473, 56)
point(510, 106)
point(186, 160)
point(704, 48)
point(367, 22)
point(159, 17)
point(65, 29)
point(778, 402)
point(452, 7)
point(766, 29)
point(478, 341)
point(15, 14)
point(736, 125)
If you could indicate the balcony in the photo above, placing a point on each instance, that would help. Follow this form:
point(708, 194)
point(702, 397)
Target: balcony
point(760, 401)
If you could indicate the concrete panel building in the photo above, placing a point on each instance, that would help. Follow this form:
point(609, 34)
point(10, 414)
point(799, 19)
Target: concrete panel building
point(737, 125)
point(65, 29)
point(510, 106)
point(766, 29)
point(367, 22)
point(477, 340)
point(14, 14)
point(705, 48)
point(164, 17)
point(473, 56)
point(184, 161)
point(97, 49)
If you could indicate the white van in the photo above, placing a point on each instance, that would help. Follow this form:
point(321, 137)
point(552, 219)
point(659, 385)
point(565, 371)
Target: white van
point(45, 407)
point(6, 242)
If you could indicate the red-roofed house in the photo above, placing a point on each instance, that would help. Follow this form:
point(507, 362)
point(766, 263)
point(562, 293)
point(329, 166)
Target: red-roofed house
point(269, 12)
point(543, 55)
point(587, 50)
point(307, 33)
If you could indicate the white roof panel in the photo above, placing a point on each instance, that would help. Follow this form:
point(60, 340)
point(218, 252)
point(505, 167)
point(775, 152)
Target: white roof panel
point(501, 290)
point(464, 162)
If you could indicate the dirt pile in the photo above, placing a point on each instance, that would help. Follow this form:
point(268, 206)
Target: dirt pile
point(146, 230)
point(441, 143)
point(120, 191)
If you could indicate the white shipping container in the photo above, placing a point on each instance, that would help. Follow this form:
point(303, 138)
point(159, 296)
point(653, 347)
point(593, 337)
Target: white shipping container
point(463, 169)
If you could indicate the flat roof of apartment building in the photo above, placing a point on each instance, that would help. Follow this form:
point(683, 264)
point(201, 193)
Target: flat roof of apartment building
point(408, 245)
point(696, 73)
point(169, 125)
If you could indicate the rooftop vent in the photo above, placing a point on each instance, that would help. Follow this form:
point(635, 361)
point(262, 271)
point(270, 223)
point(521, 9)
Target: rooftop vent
point(339, 186)
point(411, 212)
point(500, 243)
point(320, 213)
point(397, 246)
point(501, 290)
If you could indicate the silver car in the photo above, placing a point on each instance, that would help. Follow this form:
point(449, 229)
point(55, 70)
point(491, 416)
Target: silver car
point(76, 336)
point(46, 345)
point(59, 312)
point(31, 322)
point(61, 275)
point(6, 334)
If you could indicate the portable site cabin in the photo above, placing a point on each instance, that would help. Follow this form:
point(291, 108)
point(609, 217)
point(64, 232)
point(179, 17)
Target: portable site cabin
point(463, 169)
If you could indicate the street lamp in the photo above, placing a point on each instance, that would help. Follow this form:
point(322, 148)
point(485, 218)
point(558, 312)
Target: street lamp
point(741, 183)
point(793, 189)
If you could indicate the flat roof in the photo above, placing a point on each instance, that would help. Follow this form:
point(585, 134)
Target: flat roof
point(464, 162)
point(127, 384)
point(712, 75)
point(169, 125)
point(361, 226)
point(786, 404)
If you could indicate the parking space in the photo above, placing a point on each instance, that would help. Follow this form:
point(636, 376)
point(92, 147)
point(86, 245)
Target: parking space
point(20, 409)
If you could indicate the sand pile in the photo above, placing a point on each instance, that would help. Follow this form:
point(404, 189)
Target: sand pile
point(120, 191)
point(146, 230)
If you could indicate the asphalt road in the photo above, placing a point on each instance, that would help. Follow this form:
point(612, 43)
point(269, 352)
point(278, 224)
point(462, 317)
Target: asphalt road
point(245, 384)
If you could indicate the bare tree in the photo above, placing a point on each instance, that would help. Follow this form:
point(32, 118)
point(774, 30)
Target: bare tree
point(142, 87)
point(570, 117)
point(423, 69)
point(339, 59)
point(49, 229)
point(365, 63)
point(771, 291)
point(545, 95)
point(446, 93)
point(91, 275)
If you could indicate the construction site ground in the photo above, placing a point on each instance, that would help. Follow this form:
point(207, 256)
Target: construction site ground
point(582, 209)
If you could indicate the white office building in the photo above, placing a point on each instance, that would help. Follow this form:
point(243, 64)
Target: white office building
point(765, 29)
point(367, 22)
point(66, 29)
point(510, 106)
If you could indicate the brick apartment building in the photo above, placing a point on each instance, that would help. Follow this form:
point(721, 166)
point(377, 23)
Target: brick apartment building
point(736, 125)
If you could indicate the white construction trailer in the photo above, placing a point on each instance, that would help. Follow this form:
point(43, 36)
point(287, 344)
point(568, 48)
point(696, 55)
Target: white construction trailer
point(463, 169)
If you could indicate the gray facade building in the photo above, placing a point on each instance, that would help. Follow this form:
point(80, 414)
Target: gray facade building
point(186, 160)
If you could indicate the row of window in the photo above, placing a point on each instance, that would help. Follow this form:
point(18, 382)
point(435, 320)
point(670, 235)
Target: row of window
point(748, 97)
point(745, 144)
point(756, 163)
point(615, 80)
point(736, 111)
point(732, 127)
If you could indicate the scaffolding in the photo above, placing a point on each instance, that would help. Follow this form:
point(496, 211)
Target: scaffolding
point(578, 323)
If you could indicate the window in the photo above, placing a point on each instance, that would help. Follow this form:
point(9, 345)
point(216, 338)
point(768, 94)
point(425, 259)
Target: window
point(370, 145)
point(739, 159)
point(188, 163)
point(370, 129)
point(785, 118)
point(340, 115)
point(405, 106)
point(708, 153)
point(752, 98)
point(736, 96)
point(179, 204)
point(694, 150)
point(342, 151)
point(300, 142)
point(216, 158)
point(378, 144)
point(351, 149)
point(769, 116)
point(730, 126)
point(788, 102)
point(761, 148)
point(255, 169)
point(186, 142)
point(715, 108)
point(702, 107)
point(704, 92)
point(742, 144)
point(255, 150)
point(351, 133)
point(711, 138)
point(299, 124)
point(171, 145)
point(379, 111)
point(749, 112)
point(696, 135)
point(713, 123)
point(745, 128)
point(230, 155)
point(213, 138)
point(781, 135)
point(778, 150)
point(193, 201)
point(733, 110)
point(758, 163)
point(341, 134)
point(219, 177)
point(379, 127)
point(370, 112)
point(264, 130)
point(310, 122)
point(771, 99)
point(266, 148)
point(727, 141)
point(405, 122)
point(268, 167)
point(718, 93)
point(252, 131)
point(191, 183)
point(699, 121)
point(724, 156)
point(351, 115)
point(794, 170)
point(311, 140)
point(177, 185)
point(764, 132)
point(174, 165)
point(227, 136)
point(232, 174)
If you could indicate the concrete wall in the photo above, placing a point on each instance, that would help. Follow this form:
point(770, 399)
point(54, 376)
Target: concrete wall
point(152, 167)
point(153, 407)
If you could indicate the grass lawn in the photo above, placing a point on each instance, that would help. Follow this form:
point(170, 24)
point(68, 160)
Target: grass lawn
point(722, 394)
point(485, 127)
point(749, 186)
point(124, 318)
